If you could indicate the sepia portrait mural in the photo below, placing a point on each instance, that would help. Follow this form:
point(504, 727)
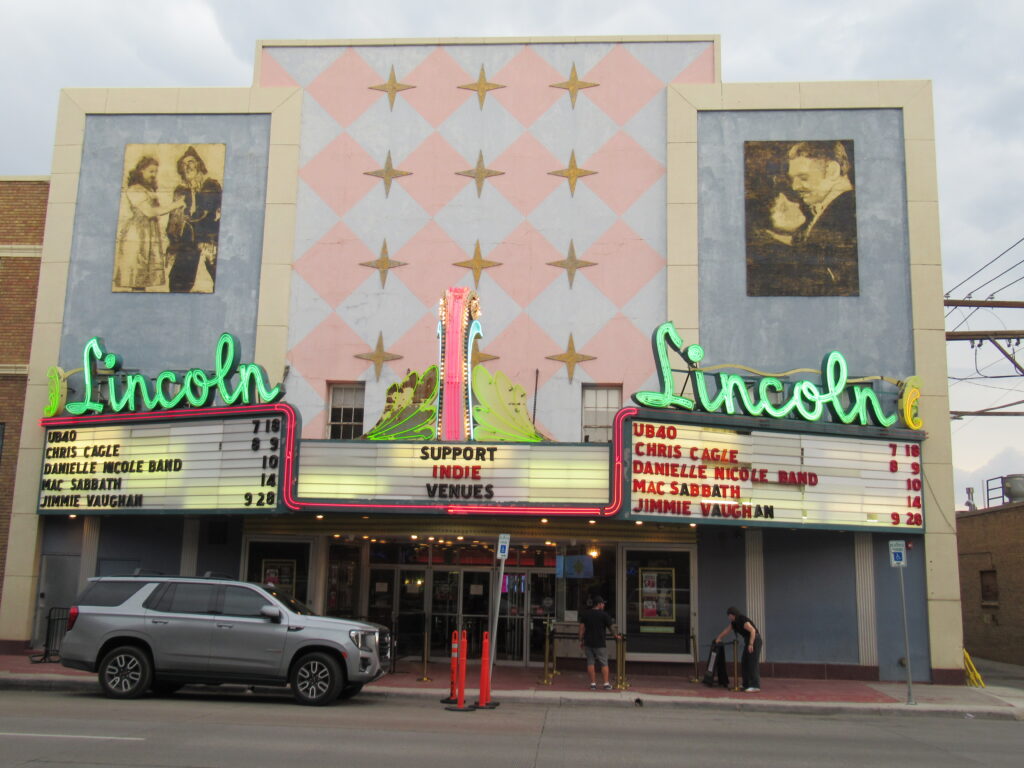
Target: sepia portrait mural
point(801, 218)
point(169, 219)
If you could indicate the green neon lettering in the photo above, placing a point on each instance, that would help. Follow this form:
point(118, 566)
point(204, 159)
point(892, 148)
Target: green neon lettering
point(91, 353)
point(165, 400)
point(734, 394)
point(134, 384)
point(196, 388)
point(665, 334)
point(730, 388)
point(253, 385)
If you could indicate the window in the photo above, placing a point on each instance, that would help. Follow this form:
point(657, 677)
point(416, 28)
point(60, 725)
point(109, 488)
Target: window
point(239, 601)
point(345, 418)
point(600, 404)
point(109, 593)
point(989, 588)
point(187, 598)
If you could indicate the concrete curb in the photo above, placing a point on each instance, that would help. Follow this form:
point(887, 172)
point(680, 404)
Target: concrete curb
point(65, 684)
point(630, 698)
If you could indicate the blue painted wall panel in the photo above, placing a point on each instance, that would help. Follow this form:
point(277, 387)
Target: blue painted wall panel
point(157, 331)
point(721, 579)
point(810, 597)
point(873, 330)
point(889, 617)
point(152, 543)
point(220, 547)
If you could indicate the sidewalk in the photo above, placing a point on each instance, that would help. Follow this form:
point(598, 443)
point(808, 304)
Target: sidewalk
point(1004, 700)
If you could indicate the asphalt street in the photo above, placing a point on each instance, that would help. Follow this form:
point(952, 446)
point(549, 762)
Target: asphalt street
point(200, 730)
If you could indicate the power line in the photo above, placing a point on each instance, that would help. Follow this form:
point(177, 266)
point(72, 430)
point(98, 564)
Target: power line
point(984, 267)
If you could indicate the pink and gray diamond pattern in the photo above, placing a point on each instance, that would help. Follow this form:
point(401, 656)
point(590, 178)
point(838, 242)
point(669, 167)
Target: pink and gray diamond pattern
point(430, 166)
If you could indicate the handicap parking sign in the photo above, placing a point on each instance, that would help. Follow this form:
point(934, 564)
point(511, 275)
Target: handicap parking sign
point(898, 554)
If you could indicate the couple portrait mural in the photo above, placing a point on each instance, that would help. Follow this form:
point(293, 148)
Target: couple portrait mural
point(169, 218)
point(801, 218)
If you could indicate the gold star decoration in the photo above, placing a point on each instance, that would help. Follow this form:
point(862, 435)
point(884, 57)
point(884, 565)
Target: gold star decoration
point(387, 173)
point(479, 357)
point(378, 357)
point(574, 85)
point(481, 86)
point(383, 263)
point(478, 264)
point(571, 357)
point(571, 264)
point(573, 173)
point(481, 173)
point(391, 87)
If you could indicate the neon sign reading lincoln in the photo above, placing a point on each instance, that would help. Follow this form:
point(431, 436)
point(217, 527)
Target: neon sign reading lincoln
point(168, 390)
point(767, 397)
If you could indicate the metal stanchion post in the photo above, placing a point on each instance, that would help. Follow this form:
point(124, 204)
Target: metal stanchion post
point(736, 665)
point(426, 654)
point(693, 651)
point(546, 677)
point(454, 684)
point(554, 653)
point(620, 664)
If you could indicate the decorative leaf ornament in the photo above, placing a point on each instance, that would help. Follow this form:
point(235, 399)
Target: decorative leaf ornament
point(500, 411)
point(410, 409)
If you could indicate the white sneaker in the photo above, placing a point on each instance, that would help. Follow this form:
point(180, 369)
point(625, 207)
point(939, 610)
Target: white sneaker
point(751, 689)
point(593, 686)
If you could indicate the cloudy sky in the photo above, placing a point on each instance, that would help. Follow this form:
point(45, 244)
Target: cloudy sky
point(970, 50)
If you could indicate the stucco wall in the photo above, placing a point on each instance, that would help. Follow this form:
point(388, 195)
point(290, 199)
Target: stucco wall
point(153, 331)
point(873, 330)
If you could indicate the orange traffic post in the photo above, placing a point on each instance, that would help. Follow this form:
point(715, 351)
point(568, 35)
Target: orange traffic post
point(454, 670)
point(460, 705)
point(484, 701)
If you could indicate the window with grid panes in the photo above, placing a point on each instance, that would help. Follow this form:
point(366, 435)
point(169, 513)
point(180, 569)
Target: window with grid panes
point(600, 404)
point(345, 419)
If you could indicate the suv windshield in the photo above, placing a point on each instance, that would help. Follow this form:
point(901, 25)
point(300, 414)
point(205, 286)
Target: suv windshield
point(290, 602)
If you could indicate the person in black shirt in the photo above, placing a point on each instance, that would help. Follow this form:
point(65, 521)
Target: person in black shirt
point(593, 624)
point(752, 642)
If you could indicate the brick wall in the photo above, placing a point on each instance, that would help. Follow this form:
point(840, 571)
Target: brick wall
point(22, 211)
point(22, 218)
point(19, 277)
point(993, 540)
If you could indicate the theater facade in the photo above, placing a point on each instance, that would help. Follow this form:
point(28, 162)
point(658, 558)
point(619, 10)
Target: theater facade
point(682, 340)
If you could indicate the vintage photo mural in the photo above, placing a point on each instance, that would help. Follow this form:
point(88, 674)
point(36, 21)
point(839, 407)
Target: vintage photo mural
point(169, 218)
point(801, 218)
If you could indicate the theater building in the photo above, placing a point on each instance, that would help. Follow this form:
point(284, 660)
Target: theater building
point(682, 340)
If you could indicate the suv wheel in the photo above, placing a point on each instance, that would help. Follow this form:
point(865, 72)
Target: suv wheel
point(125, 672)
point(316, 679)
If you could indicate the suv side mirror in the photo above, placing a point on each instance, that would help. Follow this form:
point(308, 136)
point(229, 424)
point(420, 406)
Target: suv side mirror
point(272, 613)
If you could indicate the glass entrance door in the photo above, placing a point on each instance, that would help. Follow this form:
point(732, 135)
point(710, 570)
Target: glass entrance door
point(512, 618)
point(445, 602)
point(410, 621)
point(659, 602)
point(476, 608)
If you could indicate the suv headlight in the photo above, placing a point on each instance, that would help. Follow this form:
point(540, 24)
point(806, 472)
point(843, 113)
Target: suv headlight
point(364, 639)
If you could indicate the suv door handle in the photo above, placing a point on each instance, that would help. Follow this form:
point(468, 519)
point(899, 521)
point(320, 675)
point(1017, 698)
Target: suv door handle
point(225, 626)
point(160, 621)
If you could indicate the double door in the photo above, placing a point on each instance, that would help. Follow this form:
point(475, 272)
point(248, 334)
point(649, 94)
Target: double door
point(427, 606)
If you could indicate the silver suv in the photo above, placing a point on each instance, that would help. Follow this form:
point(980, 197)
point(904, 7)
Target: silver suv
point(159, 633)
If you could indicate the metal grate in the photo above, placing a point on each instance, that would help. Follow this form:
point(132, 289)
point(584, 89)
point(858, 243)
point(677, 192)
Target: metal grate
point(56, 628)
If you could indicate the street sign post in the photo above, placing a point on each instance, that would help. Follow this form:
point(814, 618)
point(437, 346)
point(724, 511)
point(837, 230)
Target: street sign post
point(502, 553)
point(898, 559)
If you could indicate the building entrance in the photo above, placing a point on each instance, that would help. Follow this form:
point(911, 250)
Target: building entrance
point(425, 606)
